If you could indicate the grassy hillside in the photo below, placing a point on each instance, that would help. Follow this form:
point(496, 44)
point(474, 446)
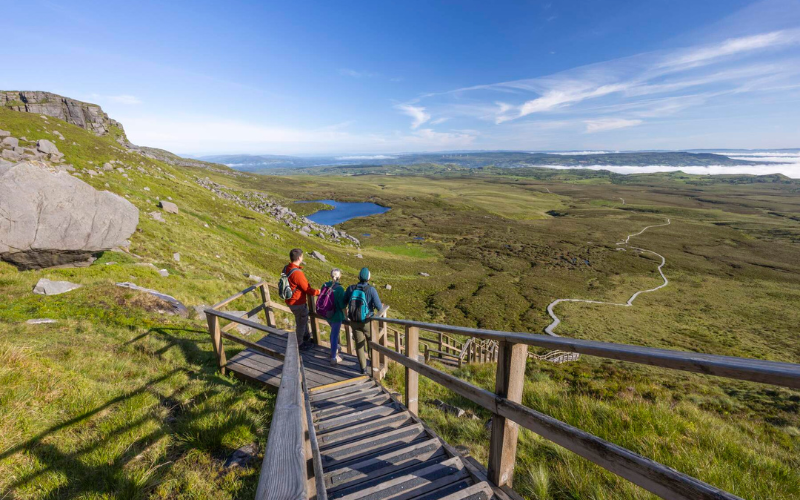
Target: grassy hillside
point(116, 399)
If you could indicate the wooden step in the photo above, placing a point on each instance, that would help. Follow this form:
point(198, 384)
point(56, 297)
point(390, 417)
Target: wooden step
point(480, 491)
point(397, 438)
point(344, 398)
point(355, 418)
point(352, 406)
point(356, 386)
point(413, 485)
point(385, 466)
point(367, 429)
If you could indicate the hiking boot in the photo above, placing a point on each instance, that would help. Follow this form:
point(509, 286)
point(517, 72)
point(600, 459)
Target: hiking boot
point(335, 361)
point(306, 346)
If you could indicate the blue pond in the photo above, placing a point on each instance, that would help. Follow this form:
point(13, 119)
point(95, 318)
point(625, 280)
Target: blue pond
point(343, 212)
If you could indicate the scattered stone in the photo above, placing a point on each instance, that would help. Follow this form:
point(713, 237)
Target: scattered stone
point(242, 457)
point(163, 272)
point(146, 188)
point(243, 329)
point(108, 167)
point(318, 256)
point(424, 274)
point(200, 312)
point(38, 232)
point(41, 321)
point(448, 408)
point(253, 278)
point(11, 142)
point(168, 207)
point(9, 154)
point(156, 216)
point(47, 147)
point(176, 257)
point(302, 233)
point(46, 287)
point(110, 263)
point(4, 133)
point(359, 256)
point(388, 286)
point(176, 306)
point(205, 225)
point(92, 172)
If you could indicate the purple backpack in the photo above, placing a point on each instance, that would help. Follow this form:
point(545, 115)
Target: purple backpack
point(326, 305)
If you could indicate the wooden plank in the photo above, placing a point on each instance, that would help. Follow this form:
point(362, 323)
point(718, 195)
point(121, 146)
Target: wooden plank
point(252, 375)
point(767, 372)
point(412, 377)
point(374, 355)
point(469, 391)
point(351, 406)
point(322, 388)
point(283, 472)
point(246, 322)
point(388, 473)
point(355, 418)
point(367, 392)
point(397, 438)
point(509, 381)
point(480, 491)
point(216, 341)
point(235, 296)
point(313, 318)
point(254, 346)
point(650, 475)
point(412, 485)
point(320, 492)
point(370, 428)
point(351, 385)
point(273, 366)
point(280, 307)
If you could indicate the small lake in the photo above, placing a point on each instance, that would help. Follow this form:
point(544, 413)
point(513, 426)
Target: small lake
point(343, 211)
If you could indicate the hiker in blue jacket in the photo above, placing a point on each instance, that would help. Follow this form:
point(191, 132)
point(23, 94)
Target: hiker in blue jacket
point(362, 301)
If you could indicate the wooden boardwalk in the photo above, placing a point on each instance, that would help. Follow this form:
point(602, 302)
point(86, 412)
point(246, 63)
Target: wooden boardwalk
point(372, 447)
point(259, 367)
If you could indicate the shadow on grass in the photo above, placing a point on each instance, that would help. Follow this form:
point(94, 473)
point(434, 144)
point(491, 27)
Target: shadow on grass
point(190, 428)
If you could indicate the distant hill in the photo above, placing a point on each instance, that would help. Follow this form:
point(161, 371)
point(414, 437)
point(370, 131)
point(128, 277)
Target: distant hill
point(500, 159)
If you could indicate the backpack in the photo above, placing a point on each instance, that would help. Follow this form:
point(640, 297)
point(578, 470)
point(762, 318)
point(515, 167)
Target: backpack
point(285, 290)
point(326, 302)
point(358, 308)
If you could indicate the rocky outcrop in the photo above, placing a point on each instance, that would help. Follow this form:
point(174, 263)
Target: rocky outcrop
point(85, 115)
point(50, 218)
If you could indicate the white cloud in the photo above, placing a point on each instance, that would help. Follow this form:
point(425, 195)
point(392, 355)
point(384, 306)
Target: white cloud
point(357, 74)
point(732, 46)
point(604, 124)
point(416, 112)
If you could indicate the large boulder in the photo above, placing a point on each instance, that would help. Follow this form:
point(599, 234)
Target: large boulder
point(46, 287)
point(50, 218)
point(46, 147)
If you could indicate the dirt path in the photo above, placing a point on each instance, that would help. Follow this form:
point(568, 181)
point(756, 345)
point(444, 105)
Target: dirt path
point(552, 326)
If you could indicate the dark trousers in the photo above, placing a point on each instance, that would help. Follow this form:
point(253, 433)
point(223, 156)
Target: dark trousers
point(301, 323)
point(361, 332)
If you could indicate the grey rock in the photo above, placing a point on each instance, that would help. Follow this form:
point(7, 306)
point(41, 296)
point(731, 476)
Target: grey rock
point(176, 257)
point(245, 330)
point(388, 286)
point(448, 408)
point(175, 305)
point(253, 278)
point(85, 115)
point(40, 321)
point(9, 154)
point(168, 207)
point(156, 216)
point(200, 312)
point(46, 147)
point(11, 142)
point(318, 256)
point(92, 172)
point(163, 272)
point(108, 167)
point(36, 231)
point(424, 274)
point(359, 256)
point(46, 287)
point(4, 133)
point(242, 457)
point(303, 233)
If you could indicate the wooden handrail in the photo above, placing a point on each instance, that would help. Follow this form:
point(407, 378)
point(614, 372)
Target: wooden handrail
point(650, 475)
point(283, 472)
point(754, 370)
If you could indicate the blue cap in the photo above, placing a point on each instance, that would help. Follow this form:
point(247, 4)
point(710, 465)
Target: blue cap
point(364, 274)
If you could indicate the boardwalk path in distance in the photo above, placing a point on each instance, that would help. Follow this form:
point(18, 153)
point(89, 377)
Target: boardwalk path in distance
point(552, 326)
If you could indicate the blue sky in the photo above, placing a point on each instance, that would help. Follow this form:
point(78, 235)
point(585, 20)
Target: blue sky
point(383, 77)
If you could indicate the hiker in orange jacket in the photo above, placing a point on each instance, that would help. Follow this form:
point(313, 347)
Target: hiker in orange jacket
point(298, 303)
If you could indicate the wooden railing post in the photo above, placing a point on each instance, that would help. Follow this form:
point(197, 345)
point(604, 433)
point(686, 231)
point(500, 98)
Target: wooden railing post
point(269, 314)
point(397, 346)
point(412, 377)
point(374, 355)
point(509, 382)
point(312, 311)
point(216, 340)
point(348, 332)
point(439, 344)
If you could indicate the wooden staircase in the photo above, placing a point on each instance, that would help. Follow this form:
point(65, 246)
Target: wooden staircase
point(373, 448)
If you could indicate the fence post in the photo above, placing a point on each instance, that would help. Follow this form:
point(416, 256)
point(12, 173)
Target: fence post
point(312, 310)
point(269, 314)
point(509, 382)
point(374, 355)
point(439, 345)
point(397, 346)
point(348, 332)
point(384, 341)
point(412, 377)
point(216, 340)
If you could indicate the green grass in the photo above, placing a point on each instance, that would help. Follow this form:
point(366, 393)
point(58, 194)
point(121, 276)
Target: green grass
point(408, 250)
point(309, 207)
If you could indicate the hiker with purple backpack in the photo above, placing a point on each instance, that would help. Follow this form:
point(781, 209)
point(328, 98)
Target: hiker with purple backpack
point(331, 305)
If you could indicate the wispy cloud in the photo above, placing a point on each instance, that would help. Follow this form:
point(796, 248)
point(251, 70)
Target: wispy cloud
point(416, 112)
point(357, 74)
point(609, 124)
point(625, 92)
point(119, 99)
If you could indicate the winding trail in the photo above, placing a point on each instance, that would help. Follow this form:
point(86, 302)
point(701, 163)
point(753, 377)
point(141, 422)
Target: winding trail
point(552, 326)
